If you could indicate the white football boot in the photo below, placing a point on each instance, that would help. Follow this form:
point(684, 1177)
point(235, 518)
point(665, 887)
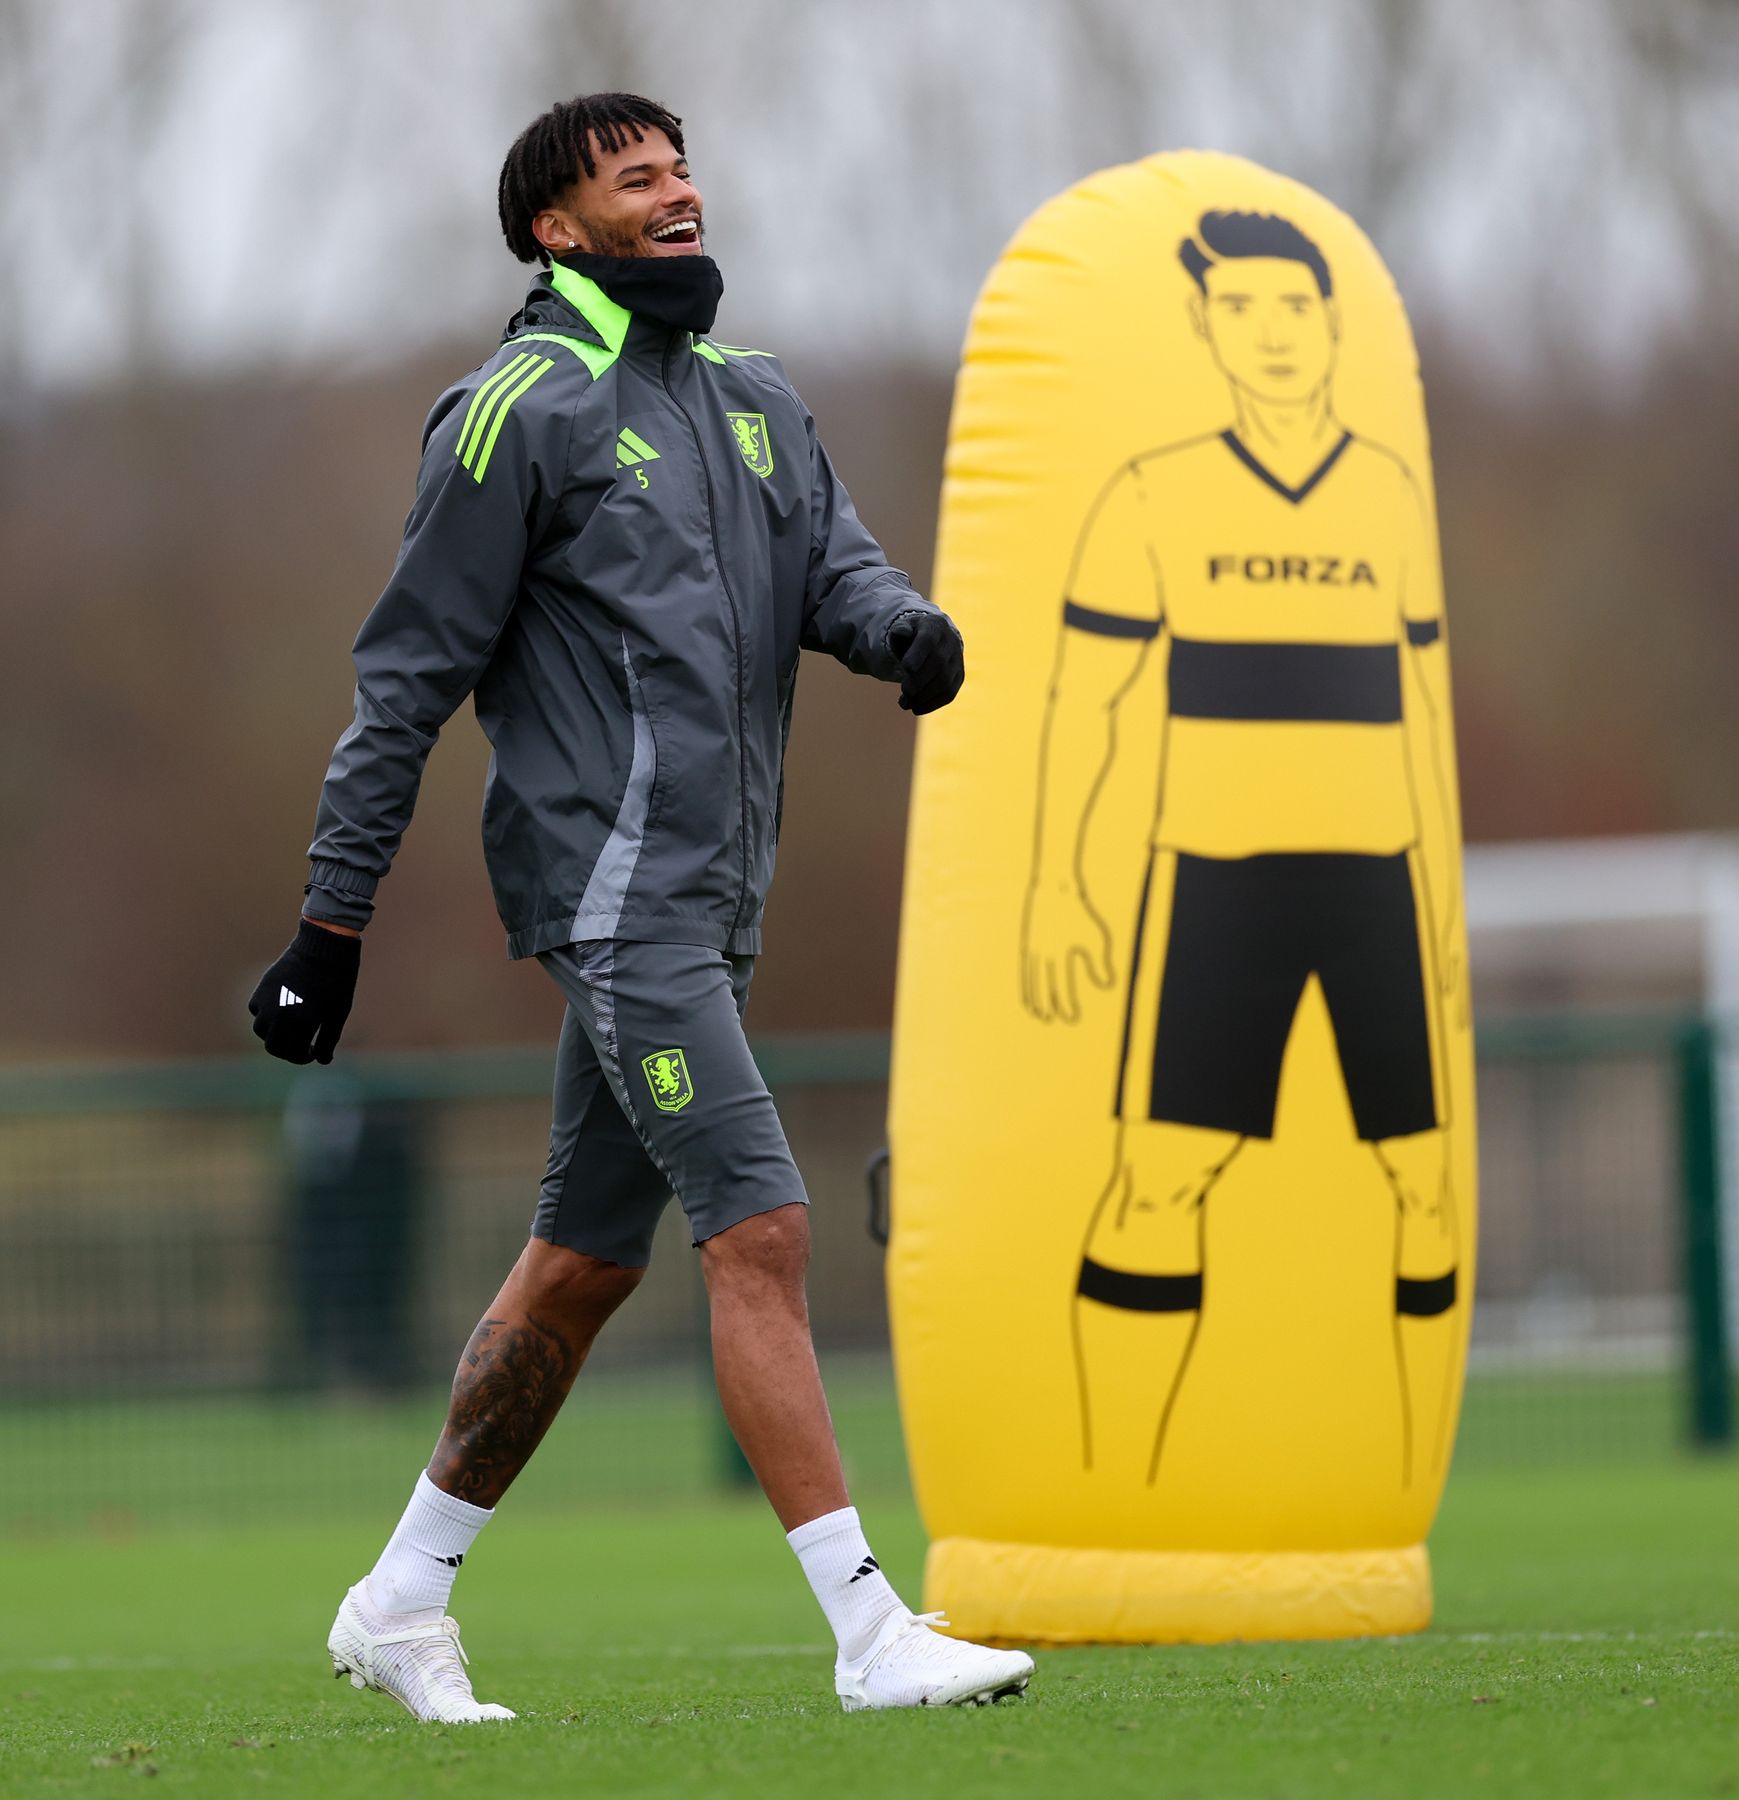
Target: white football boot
point(909, 1664)
point(418, 1659)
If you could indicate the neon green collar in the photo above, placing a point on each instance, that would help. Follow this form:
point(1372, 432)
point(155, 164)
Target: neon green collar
point(605, 317)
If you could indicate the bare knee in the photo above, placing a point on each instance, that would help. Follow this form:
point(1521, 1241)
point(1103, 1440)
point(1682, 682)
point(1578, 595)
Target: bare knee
point(768, 1251)
point(568, 1284)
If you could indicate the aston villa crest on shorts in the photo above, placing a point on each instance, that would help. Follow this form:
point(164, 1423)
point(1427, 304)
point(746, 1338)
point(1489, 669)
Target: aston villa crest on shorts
point(753, 441)
point(667, 1076)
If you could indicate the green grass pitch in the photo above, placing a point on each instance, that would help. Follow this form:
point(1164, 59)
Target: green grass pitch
point(1585, 1645)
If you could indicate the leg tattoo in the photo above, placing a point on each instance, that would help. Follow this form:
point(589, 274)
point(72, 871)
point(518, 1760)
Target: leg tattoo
point(510, 1384)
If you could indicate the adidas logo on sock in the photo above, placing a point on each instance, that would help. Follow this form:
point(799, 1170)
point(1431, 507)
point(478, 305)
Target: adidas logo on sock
point(453, 1562)
point(286, 998)
point(869, 1566)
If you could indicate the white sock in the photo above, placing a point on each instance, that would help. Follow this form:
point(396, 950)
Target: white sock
point(847, 1579)
point(421, 1558)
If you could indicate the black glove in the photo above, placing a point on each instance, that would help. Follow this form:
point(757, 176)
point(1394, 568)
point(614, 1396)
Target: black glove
point(932, 660)
point(304, 998)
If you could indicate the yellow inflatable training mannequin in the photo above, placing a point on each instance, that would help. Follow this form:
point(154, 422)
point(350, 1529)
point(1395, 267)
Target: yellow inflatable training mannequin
point(1182, 1101)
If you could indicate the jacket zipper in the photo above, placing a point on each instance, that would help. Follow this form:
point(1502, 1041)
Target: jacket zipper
point(712, 520)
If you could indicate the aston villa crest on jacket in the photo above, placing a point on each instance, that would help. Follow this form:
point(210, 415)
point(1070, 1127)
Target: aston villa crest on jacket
point(753, 441)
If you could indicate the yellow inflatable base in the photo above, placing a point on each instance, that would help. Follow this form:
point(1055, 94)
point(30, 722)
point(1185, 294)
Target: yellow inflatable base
point(1050, 1594)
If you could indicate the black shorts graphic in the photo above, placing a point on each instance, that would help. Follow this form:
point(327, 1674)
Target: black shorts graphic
point(1245, 937)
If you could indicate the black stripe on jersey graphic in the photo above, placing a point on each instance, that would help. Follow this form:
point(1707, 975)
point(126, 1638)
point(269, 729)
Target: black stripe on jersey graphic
point(1295, 494)
point(1104, 624)
point(1355, 684)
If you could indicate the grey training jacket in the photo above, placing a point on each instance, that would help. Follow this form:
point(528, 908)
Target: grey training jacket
point(623, 535)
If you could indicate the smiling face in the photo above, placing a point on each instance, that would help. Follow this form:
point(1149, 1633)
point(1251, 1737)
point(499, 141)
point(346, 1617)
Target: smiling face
point(1271, 329)
point(641, 202)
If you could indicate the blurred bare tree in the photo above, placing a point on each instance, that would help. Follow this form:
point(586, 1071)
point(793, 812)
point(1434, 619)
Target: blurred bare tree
point(198, 184)
point(242, 246)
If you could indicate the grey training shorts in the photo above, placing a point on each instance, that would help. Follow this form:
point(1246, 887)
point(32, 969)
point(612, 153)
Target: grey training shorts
point(655, 1092)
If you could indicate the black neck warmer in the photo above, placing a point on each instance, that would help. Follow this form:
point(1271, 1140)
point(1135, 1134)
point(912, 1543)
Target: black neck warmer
point(682, 292)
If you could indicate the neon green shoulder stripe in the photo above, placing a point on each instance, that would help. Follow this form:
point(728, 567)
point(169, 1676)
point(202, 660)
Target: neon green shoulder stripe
point(703, 348)
point(483, 403)
point(739, 350)
point(542, 368)
point(484, 421)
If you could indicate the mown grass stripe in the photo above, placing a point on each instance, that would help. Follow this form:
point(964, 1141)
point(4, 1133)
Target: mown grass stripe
point(544, 365)
point(485, 393)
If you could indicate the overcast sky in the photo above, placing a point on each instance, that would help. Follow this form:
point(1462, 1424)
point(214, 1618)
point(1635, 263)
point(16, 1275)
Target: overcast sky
point(201, 185)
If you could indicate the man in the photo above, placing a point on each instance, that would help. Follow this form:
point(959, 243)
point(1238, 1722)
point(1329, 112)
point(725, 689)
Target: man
point(1304, 828)
point(624, 532)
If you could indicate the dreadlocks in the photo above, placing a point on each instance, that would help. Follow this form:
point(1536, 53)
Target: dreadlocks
point(548, 155)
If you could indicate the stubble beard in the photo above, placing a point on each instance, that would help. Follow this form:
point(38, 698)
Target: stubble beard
point(617, 240)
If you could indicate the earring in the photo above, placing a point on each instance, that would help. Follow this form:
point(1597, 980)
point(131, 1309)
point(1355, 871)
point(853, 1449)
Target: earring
point(572, 245)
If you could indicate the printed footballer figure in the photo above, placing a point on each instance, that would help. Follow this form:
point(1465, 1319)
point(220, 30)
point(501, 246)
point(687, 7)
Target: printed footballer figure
point(1305, 829)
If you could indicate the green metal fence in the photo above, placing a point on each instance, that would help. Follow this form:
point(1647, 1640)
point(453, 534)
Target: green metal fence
point(216, 1277)
point(1613, 1171)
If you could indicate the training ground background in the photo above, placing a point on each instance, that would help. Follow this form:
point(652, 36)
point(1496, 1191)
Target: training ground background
point(210, 403)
